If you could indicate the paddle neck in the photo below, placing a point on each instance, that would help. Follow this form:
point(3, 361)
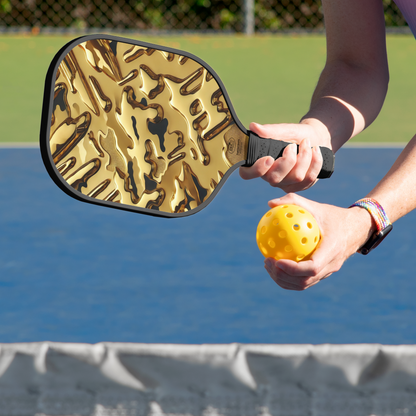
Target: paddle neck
point(244, 148)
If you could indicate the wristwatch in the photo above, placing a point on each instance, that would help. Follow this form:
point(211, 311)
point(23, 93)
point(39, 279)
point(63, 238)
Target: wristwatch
point(384, 226)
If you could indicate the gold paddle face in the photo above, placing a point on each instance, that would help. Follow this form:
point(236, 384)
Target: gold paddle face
point(139, 126)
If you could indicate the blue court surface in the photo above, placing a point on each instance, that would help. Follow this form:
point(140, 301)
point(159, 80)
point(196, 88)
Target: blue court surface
point(75, 272)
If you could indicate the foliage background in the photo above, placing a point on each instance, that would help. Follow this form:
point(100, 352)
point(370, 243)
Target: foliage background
point(170, 15)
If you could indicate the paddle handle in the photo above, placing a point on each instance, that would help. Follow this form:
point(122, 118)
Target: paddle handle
point(259, 147)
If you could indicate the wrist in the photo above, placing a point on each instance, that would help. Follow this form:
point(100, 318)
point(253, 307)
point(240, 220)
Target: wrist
point(365, 226)
point(321, 136)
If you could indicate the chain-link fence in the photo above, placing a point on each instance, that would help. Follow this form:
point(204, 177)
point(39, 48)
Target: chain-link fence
point(171, 15)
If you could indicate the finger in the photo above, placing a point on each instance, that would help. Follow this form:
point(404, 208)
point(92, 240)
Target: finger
point(280, 282)
point(313, 270)
point(287, 286)
point(316, 163)
point(286, 281)
point(283, 131)
point(263, 130)
point(290, 198)
point(313, 167)
point(297, 187)
point(303, 162)
point(305, 172)
point(259, 168)
point(303, 269)
point(296, 179)
point(313, 282)
point(282, 166)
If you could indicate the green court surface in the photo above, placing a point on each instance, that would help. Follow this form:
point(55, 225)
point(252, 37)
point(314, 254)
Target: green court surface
point(270, 79)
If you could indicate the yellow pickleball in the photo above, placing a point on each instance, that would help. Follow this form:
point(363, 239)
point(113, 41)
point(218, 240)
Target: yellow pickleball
point(288, 232)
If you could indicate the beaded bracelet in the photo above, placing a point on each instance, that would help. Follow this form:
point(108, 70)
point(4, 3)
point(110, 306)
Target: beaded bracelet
point(375, 210)
point(383, 224)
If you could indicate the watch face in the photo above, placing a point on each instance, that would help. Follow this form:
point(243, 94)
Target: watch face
point(375, 240)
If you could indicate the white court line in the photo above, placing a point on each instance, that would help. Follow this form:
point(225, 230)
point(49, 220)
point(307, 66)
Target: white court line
point(375, 145)
point(19, 145)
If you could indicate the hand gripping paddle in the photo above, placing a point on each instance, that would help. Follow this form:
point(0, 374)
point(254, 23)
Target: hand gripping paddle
point(136, 126)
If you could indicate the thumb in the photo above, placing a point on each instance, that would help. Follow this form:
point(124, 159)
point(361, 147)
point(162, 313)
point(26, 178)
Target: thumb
point(267, 131)
point(283, 131)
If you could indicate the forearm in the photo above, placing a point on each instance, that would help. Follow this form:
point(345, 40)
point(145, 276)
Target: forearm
point(353, 85)
point(396, 192)
point(346, 100)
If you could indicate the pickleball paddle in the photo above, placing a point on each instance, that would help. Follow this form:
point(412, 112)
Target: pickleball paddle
point(141, 127)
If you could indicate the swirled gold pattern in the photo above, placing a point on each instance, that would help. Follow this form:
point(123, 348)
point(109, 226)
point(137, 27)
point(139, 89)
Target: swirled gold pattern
point(141, 126)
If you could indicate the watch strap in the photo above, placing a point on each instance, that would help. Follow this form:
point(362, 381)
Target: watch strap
point(375, 210)
point(384, 226)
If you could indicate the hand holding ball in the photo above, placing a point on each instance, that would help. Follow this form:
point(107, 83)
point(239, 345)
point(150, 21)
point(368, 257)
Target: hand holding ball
point(288, 232)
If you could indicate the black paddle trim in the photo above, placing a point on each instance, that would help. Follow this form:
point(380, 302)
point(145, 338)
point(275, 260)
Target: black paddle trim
point(47, 113)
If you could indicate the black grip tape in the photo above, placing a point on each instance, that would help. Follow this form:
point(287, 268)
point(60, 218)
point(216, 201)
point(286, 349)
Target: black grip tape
point(259, 147)
point(328, 163)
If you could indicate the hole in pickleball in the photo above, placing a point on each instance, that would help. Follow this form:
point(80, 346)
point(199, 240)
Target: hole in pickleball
point(285, 206)
point(263, 229)
point(309, 225)
point(282, 234)
point(315, 240)
point(268, 214)
point(296, 227)
point(271, 243)
point(301, 211)
point(300, 257)
point(288, 249)
point(275, 222)
point(304, 240)
point(263, 249)
point(289, 215)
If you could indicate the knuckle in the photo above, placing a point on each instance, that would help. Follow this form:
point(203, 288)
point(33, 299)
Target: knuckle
point(293, 196)
point(277, 185)
point(315, 270)
point(280, 283)
point(289, 157)
point(310, 177)
point(294, 287)
point(274, 179)
point(310, 282)
point(245, 173)
point(301, 283)
point(298, 176)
